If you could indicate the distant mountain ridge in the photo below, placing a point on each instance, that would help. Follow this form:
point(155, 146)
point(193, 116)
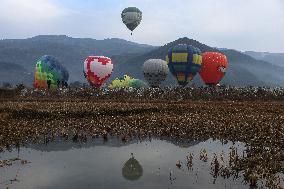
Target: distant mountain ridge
point(18, 57)
point(273, 58)
point(22, 54)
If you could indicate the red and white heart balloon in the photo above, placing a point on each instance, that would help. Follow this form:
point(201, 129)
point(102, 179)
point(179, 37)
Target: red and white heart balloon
point(97, 69)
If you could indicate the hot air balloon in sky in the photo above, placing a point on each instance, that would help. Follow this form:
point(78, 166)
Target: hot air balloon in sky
point(49, 73)
point(131, 17)
point(97, 69)
point(155, 71)
point(214, 66)
point(184, 62)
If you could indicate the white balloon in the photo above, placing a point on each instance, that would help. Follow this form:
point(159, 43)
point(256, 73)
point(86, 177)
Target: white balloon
point(155, 71)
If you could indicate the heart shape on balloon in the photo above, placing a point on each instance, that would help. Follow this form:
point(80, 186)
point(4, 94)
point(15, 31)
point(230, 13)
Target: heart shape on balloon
point(101, 70)
point(97, 69)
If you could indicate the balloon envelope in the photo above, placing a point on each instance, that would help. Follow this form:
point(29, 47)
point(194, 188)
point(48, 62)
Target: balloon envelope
point(131, 17)
point(136, 83)
point(97, 69)
point(126, 82)
point(214, 67)
point(155, 71)
point(184, 62)
point(48, 69)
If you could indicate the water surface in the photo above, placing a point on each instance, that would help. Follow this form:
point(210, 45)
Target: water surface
point(113, 164)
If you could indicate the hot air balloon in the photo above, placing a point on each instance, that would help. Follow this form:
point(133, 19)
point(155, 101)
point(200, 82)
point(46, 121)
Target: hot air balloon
point(97, 69)
point(126, 82)
point(137, 83)
point(49, 73)
point(155, 71)
point(184, 62)
point(131, 17)
point(122, 82)
point(214, 66)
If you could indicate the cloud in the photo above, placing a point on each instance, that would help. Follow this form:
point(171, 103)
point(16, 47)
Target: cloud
point(22, 18)
point(28, 11)
point(239, 24)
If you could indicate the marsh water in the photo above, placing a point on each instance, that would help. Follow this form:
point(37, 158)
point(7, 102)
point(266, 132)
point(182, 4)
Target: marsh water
point(113, 164)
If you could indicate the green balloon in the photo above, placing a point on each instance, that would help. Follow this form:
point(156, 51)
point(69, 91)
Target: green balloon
point(137, 83)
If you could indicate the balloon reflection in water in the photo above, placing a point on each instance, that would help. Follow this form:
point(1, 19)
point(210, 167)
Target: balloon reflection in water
point(132, 170)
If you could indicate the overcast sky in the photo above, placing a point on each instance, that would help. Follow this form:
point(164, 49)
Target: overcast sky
point(239, 24)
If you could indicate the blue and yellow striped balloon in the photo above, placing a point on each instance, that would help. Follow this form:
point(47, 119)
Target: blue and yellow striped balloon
point(184, 62)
